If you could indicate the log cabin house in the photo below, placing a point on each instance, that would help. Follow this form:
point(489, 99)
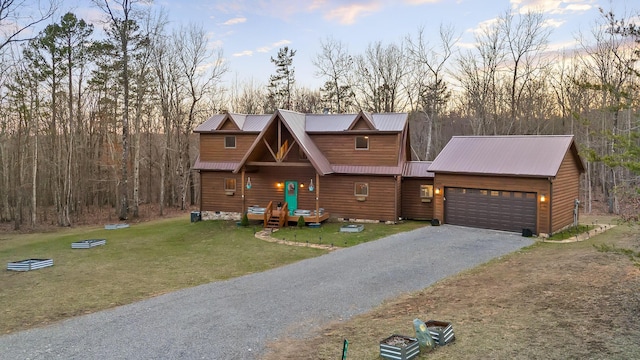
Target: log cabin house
point(279, 167)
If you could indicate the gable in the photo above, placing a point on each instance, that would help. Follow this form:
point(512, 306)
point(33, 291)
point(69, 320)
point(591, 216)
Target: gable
point(228, 124)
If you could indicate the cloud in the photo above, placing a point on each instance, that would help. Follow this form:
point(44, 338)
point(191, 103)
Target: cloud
point(243, 53)
point(234, 21)
point(420, 2)
point(554, 23)
point(267, 48)
point(553, 6)
point(349, 14)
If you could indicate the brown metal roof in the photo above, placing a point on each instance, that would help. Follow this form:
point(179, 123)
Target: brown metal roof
point(214, 165)
point(249, 123)
point(393, 122)
point(417, 169)
point(369, 170)
point(521, 155)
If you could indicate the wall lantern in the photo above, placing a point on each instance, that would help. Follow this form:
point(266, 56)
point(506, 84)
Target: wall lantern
point(248, 182)
point(543, 198)
point(311, 187)
point(279, 184)
point(437, 191)
point(302, 185)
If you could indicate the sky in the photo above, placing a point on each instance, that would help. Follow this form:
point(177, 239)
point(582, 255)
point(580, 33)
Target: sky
point(250, 32)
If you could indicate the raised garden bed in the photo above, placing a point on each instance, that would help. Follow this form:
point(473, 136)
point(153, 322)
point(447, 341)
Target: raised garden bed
point(29, 264)
point(399, 347)
point(86, 244)
point(352, 228)
point(441, 331)
point(115, 226)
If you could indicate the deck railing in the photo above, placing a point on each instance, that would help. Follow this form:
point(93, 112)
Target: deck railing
point(284, 214)
point(267, 212)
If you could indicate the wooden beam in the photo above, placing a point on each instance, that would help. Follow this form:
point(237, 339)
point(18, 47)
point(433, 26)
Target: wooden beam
point(269, 148)
point(266, 163)
point(242, 192)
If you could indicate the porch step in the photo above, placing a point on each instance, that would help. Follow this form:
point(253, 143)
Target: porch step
point(273, 223)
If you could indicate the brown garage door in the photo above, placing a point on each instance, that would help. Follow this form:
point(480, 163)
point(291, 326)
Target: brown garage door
point(490, 209)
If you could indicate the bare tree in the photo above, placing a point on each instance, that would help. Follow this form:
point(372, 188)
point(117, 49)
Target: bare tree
point(379, 75)
point(525, 39)
point(429, 70)
point(16, 16)
point(124, 30)
point(334, 64)
point(201, 69)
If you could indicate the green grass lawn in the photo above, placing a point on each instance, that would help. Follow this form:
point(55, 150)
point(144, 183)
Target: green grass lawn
point(330, 233)
point(142, 261)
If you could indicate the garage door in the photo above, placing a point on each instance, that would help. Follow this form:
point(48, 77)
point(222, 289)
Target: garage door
point(490, 209)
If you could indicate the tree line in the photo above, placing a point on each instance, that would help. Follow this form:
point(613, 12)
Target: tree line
point(88, 122)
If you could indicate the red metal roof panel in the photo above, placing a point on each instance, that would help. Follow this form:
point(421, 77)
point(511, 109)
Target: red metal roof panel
point(418, 169)
point(370, 170)
point(516, 155)
point(214, 165)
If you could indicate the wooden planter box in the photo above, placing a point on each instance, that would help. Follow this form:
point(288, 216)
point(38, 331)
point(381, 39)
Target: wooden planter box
point(399, 347)
point(29, 264)
point(86, 244)
point(441, 331)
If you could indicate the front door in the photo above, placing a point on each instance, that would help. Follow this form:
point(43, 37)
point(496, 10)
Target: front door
point(291, 195)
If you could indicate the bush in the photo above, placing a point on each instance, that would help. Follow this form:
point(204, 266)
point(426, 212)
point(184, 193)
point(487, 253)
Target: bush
point(245, 220)
point(301, 221)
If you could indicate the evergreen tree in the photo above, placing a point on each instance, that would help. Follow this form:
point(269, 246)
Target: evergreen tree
point(281, 84)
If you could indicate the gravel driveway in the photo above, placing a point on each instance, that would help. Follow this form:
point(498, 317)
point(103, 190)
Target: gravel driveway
point(234, 319)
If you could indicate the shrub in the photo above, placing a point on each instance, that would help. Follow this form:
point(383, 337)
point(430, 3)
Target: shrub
point(245, 220)
point(301, 221)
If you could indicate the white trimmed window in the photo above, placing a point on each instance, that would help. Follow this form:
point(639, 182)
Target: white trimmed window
point(361, 189)
point(362, 143)
point(426, 191)
point(229, 142)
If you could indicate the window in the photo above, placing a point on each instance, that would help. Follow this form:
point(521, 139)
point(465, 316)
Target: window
point(229, 142)
point(229, 185)
point(426, 191)
point(361, 189)
point(362, 143)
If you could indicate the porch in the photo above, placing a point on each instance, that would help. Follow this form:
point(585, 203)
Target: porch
point(273, 216)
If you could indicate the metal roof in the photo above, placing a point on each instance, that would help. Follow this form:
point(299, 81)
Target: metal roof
point(369, 170)
point(249, 123)
point(519, 155)
point(214, 165)
point(417, 169)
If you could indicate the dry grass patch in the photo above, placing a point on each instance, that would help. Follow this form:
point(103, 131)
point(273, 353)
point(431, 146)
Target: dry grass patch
point(552, 301)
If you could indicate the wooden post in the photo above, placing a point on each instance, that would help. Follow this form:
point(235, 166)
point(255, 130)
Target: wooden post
point(242, 192)
point(317, 198)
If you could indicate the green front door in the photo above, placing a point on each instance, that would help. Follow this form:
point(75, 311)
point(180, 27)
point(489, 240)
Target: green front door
point(291, 195)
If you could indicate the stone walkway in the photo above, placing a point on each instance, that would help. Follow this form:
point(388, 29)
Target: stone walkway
point(266, 236)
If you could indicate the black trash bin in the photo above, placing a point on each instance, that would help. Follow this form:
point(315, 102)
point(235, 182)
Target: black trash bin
point(195, 216)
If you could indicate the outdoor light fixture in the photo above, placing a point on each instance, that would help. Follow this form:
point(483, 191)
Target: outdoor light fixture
point(543, 198)
point(311, 185)
point(279, 184)
point(301, 185)
point(248, 182)
point(437, 191)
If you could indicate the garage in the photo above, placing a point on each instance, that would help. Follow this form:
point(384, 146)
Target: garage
point(490, 209)
point(509, 183)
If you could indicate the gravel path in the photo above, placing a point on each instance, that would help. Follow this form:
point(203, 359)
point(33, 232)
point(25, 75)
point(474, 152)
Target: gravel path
point(234, 319)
